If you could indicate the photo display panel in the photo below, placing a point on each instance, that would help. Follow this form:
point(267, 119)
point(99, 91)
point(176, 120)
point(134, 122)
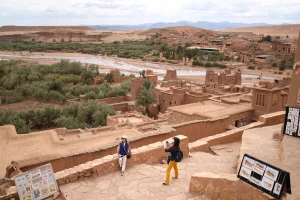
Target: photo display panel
point(36, 184)
point(292, 122)
point(265, 177)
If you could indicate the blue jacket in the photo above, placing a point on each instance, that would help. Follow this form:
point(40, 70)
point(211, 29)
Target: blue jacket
point(123, 148)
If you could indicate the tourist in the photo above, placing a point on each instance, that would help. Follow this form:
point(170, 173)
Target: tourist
point(122, 150)
point(173, 150)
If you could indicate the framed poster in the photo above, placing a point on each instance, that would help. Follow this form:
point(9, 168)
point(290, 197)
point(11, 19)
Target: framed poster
point(36, 184)
point(292, 122)
point(264, 176)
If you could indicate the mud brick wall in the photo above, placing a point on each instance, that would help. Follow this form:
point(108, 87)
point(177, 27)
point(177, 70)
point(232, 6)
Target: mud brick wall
point(149, 154)
point(224, 187)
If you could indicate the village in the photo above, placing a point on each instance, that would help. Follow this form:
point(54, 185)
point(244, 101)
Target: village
point(218, 121)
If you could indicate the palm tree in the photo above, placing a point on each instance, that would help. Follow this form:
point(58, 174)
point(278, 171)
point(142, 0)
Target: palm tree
point(142, 73)
point(146, 84)
point(145, 98)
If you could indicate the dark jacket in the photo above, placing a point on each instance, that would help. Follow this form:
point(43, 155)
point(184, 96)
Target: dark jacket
point(173, 150)
point(123, 148)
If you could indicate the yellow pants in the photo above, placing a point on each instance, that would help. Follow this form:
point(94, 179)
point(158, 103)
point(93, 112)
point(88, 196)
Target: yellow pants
point(171, 165)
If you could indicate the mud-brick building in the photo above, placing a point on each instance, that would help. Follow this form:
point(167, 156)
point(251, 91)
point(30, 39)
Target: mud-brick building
point(171, 75)
point(176, 96)
point(214, 79)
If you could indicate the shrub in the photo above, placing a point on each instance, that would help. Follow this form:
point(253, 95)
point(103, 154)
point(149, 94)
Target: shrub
point(83, 115)
point(208, 64)
point(251, 67)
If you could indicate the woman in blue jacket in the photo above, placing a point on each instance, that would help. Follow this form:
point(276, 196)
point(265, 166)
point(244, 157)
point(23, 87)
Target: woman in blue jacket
point(122, 150)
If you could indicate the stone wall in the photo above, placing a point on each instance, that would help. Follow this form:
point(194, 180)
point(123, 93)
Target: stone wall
point(123, 107)
point(196, 130)
point(224, 187)
point(235, 134)
point(191, 98)
point(59, 164)
point(112, 100)
point(241, 119)
point(149, 154)
point(173, 83)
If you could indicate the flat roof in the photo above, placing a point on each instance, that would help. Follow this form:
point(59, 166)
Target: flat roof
point(212, 109)
point(158, 87)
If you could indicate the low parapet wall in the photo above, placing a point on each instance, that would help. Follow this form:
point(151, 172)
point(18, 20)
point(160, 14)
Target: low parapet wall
point(224, 187)
point(149, 154)
point(235, 134)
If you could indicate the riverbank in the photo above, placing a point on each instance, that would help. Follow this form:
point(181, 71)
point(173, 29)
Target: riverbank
point(128, 66)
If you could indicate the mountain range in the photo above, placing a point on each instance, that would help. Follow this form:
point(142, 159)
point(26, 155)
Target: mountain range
point(199, 24)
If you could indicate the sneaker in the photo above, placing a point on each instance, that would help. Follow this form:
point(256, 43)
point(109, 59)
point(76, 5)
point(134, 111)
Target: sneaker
point(165, 184)
point(122, 173)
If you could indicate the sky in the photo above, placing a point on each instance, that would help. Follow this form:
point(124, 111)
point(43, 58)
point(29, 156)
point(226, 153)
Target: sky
point(129, 12)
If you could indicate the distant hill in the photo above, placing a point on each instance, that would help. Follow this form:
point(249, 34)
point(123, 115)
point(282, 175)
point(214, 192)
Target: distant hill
point(174, 30)
point(199, 24)
point(274, 30)
point(42, 28)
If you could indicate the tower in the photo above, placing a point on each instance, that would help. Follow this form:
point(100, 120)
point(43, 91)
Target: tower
point(294, 92)
point(297, 56)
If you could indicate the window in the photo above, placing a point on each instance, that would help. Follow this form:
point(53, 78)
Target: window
point(260, 100)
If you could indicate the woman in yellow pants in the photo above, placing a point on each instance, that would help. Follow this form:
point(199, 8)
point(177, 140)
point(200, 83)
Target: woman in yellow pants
point(173, 150)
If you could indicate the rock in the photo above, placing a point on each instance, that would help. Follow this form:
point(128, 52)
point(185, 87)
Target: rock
point(163, 162)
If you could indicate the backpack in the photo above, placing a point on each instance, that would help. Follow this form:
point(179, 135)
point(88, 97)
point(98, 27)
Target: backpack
point(179, 156)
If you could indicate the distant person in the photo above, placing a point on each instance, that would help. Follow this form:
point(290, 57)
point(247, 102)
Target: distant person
point(175, 155)
point(123, 150)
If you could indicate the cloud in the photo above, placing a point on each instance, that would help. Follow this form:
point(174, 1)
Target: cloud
point(85, 12)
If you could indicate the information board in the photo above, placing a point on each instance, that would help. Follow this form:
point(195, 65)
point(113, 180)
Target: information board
point(292, 122)
point(265, 177)
point(36, 184)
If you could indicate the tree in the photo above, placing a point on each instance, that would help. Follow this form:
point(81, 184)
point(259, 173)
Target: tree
point(142, 73)
point(145, 98)
point(87, 77)
point(147, 85)
point(109, 77)
point(268, 38)
point(282, 66)
point(62, 40)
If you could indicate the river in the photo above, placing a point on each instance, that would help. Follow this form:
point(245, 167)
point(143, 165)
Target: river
point(125, 67)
